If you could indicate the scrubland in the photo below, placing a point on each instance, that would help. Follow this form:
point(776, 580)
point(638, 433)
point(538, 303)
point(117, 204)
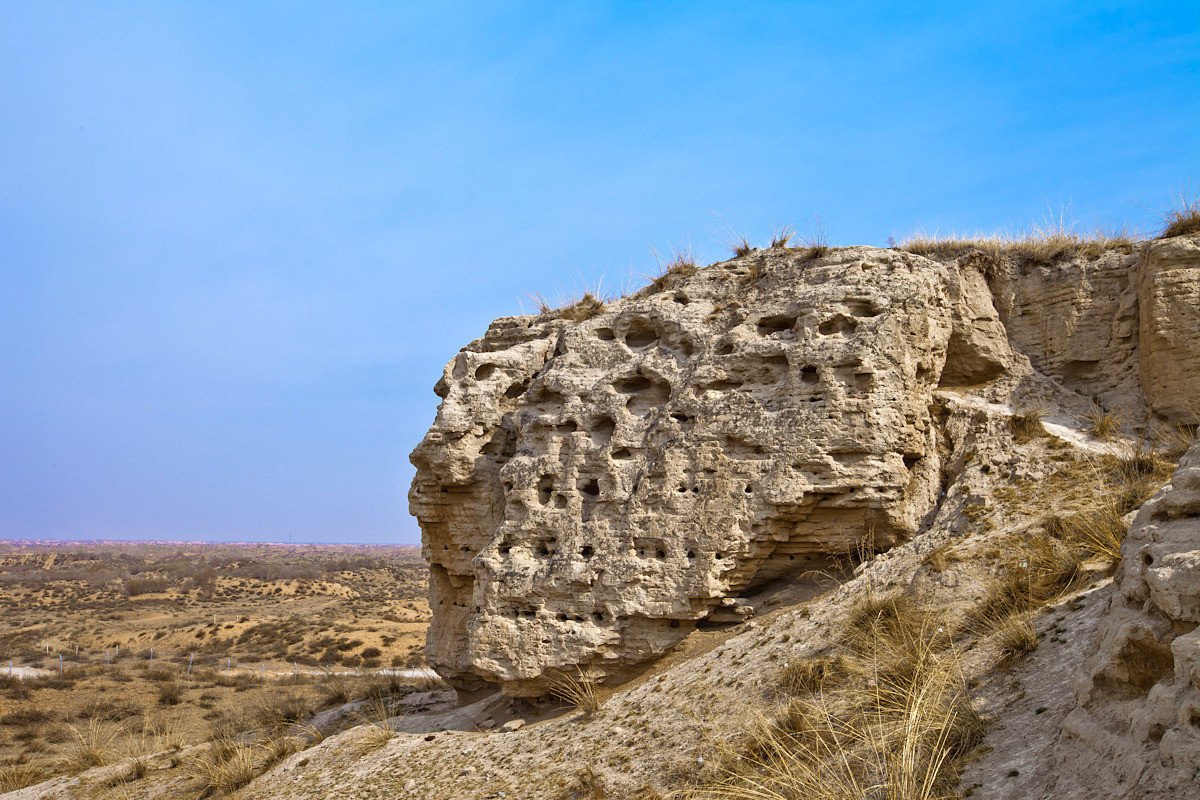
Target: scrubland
point(118, 650)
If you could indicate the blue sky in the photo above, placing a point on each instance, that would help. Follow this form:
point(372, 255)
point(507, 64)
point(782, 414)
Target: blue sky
point(239, 240)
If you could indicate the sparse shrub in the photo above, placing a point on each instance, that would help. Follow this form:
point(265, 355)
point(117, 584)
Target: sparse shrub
point(169, 694)
point(26, 715)
point(146, 585)
point(741, 247)
point(280, 709)
point(371, 652)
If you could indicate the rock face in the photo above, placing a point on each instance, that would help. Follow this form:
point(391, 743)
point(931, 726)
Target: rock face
point(1169, 292)
point(1136, 730)
point(600, 481)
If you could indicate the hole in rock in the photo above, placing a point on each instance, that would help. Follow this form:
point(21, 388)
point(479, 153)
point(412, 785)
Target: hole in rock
point(1147, 558)
point(505, 548)
point(588, 551)
point(779, 362)
point(725, 349)
point(862, 308)
point(645, 394)
point(910, 460)
point(560, 501)
point(516, 390)
point(605, 334)
point(695, 490)
point(561, 617)
point(622, 454)
point(776, 325)
point(484, 372)
point(660, 555)
point(725, 385)
point(864, 380)
point(681, 418)
point(545, 488)
point(635, 385)
point(837, 325)
point(691, 555)
point(602, 430)
point(640, 336)
point(809, 375)
point(597, 616)
point(589, 486)
point(570, 426)
point(682, 489)
point(674, 623)
point(749, 490)
point(681, 298)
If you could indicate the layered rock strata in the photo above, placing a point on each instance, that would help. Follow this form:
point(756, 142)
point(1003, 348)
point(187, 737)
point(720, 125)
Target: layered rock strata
point(600, 481)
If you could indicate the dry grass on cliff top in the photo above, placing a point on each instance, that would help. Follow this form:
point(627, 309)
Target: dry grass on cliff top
point(1184, 218)
point(1046, 243)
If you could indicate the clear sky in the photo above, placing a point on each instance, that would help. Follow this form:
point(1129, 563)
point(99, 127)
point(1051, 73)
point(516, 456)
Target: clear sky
point(239, 240)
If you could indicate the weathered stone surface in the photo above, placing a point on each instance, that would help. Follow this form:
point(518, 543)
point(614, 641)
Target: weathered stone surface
point(598, 484)
point(1077, 321)
point(592, 490)
point(1169, 299)
point(1136, 730)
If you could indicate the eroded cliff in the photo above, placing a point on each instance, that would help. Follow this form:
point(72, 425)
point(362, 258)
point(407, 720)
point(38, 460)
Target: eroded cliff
point(600, 481)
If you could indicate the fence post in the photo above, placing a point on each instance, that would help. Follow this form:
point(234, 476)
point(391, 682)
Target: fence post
point(151, 657)
point(227, 666)
point(107, 660)
point(295, 669)
point(60, 663)
point(264, 671)
point(191, 658)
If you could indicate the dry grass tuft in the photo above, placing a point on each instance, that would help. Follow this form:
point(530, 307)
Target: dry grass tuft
point(741, 247)
point(1026, 423)
point(784, 235)
point(811, 675)
point(377, 731)
point(587, 785)
point(1015, 638)
point(226, 769)
point(579, 690)
point(1045, 569)
point(1184, 218)
point(19, 775)
point(1046, 243)
point(92, 746)
point(1104, 424)
point(882, 738)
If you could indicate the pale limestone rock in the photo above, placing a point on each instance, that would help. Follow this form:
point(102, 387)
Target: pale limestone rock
point(1077, 321)
point(1136, 729)
point(592, 490)
point(1169, 294)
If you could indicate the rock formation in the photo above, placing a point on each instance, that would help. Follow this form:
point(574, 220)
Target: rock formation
point(600, 480)
point(1137, 725)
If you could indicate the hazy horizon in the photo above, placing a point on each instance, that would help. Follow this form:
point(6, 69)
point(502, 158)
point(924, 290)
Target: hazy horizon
point(240, 241)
